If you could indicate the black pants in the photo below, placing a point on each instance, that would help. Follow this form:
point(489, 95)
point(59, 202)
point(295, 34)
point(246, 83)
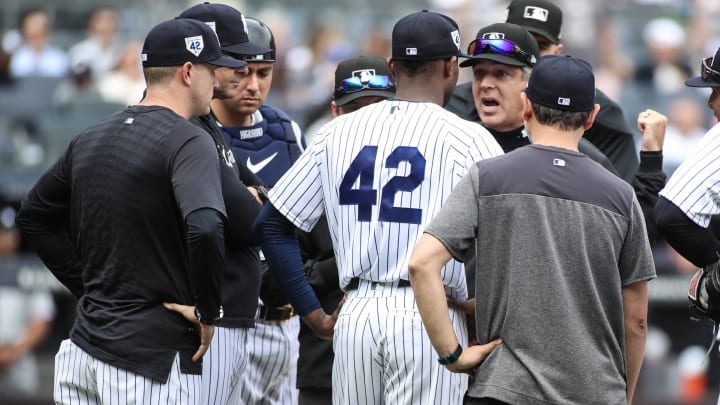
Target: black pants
point(315, 396)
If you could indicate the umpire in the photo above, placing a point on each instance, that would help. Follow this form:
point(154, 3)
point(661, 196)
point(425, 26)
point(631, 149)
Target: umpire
point(132, 216)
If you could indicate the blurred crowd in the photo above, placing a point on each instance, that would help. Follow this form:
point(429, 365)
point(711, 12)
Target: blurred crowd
point(642, 52)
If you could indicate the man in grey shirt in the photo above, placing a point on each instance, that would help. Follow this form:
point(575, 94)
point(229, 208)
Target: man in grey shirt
point(561, 257)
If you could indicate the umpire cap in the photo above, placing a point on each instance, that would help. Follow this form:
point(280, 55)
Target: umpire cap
point(540, 17)
point(709, 73)
point(230, 26)
point(363, 76)
point(174, 42)
point(492, 44)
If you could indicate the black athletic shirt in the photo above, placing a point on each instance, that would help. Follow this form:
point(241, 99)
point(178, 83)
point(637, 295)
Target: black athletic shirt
point(241, 278)
point(116, 204)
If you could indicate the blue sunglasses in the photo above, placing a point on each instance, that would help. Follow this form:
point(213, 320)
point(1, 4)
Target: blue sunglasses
point(353, 84)
point(499, 47)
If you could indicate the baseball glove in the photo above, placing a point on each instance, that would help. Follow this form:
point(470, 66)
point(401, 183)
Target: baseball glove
point(704, 293)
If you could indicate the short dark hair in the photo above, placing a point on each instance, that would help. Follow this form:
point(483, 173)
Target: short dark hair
point(413, 68)
point(564, 120)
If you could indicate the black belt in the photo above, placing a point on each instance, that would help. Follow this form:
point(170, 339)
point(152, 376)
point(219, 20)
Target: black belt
point(283, 313)
point(355, 282)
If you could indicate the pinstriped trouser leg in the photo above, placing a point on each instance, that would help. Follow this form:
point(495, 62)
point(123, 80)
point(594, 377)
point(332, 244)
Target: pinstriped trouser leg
point(81, 379)
point(383, 353)
point(75, 382)
point(270, 376)
point(223, 365)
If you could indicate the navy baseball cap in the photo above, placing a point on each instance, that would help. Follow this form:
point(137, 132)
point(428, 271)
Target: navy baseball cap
point(540, 17)
point(363, 76)
point(563, 83)
point(425, 35)
point(709, 73)
point(230, 26)
point(174, 42)
point(509, 44)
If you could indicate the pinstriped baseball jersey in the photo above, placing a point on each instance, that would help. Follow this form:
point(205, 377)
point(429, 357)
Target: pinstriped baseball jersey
point(695, 185)
point(380, 174)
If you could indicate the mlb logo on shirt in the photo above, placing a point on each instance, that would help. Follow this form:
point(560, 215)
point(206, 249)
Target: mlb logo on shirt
point(559, 162)
point(411, 51)
point(536, 13)
point(563, 101)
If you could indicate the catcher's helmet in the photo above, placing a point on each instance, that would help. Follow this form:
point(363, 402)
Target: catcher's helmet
point(260, 34)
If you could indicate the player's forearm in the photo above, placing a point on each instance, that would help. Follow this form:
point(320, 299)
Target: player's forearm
point(635, 313)
point(206, 250)
point(432, 304)
point(695, 243)
point(634, 349)
point(425, 264)
point(282, 252)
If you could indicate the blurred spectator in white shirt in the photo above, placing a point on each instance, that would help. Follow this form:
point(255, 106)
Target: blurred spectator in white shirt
point(124, 84)
point(36, 56)
point(684, 131)
point(101, 49)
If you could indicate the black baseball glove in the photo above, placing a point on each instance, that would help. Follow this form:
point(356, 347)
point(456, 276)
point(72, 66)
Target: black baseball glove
point(704, 293)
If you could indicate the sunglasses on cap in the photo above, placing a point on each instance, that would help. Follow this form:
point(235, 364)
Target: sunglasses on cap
point(499, 47)
point(353, 84)
point(707, 73)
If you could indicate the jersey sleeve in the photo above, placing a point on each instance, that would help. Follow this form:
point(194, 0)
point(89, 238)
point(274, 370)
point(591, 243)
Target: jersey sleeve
point(694, 187)
point(42, 220)
point(456, 223)
point(636, 261)
point(196, 175)
point(298, 194)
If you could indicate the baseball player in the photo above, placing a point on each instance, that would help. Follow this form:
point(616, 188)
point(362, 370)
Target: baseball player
point(359, 82)
point(267, 141)
point(226, 360)
point(379, 175)
point(561, 255)
point(689, 201)
point(131, 216)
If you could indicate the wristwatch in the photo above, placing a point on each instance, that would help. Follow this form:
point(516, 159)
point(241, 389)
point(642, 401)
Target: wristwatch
point(262, 192)
point(202, 319)
point(452, 357)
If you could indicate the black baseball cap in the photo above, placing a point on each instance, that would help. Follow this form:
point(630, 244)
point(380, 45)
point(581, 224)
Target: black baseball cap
point(362, 70)
point(230, 26)
point(425, 35)
point(709, 73)
point(514, 33)
point(540, 17)
point(174, 42)
point(562, 82)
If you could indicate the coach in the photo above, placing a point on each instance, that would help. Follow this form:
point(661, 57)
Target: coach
point(561, 257)
point(131, 216)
